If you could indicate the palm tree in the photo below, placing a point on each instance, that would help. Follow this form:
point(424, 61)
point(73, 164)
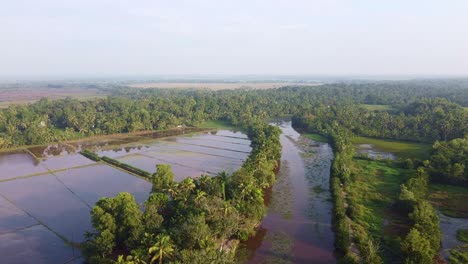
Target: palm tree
point(199, 196)
point(162, 247)
point(223, 178)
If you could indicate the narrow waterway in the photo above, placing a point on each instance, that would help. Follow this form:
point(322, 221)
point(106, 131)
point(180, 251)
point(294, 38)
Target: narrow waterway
point(297, 227)
point(449, 227)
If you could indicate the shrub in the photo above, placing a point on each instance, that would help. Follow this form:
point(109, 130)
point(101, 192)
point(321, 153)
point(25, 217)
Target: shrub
point(127, 167)
point(90, 155)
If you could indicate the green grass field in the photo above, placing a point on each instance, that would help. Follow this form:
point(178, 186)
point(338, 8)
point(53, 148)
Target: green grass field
point(377, 107)
point(451, 200)
point(218, 124)
point(401, 149)
point(376, 188)
point(316, 137)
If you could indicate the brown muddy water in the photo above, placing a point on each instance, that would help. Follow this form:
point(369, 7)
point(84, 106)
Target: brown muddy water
point(47, 192)
point(297, 227)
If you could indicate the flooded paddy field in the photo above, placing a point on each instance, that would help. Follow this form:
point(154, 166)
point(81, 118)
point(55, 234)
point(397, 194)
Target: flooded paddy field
point(19, 163)
point(297, 227)
point(47, 192)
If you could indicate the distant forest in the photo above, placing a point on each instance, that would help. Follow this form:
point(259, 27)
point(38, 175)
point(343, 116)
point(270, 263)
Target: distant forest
point(415, 108)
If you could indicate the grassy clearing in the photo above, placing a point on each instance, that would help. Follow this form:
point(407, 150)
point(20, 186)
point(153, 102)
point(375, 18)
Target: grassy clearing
point(462, 235)
point(218, 124)
point(376, 187)
point(316, 137)
point(401, 149)
point(375, 190)
point(377, 107)
point(466, 109)
point(451, 200)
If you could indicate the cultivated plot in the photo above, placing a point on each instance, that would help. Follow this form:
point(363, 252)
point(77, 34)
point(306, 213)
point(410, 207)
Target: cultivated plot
point(19, 163)
point(51, 203)
point(93, 182)
point(12, 218)
point(35, 244)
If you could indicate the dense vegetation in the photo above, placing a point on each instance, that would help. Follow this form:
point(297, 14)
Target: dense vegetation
point(449, 161)
point(422, 243)
point(129, 110)
point(192, 221)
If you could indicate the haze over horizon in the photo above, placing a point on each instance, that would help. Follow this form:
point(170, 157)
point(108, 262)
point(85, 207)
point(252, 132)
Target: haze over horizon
point(54, 38)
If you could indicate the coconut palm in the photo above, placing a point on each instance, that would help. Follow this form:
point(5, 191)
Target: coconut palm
point(162, 247)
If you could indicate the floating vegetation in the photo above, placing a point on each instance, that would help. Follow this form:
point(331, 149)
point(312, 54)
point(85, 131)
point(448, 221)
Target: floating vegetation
point(281, 248)
point(318, 189)
point(283, 201)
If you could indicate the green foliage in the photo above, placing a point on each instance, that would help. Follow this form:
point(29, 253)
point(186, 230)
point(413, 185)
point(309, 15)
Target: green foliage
point(126, 167)
point(90, 155)
point(162, 248)
point(316, 137)
point(449, 161)
point(426, 220)
point(117, 222)
point(163, 178)
point(208, 256)
point(376, 107)
point(417, 248)
point(218, 124)
point(155, 205)
point(422, 243)
point(462, 235)
point(342, 234)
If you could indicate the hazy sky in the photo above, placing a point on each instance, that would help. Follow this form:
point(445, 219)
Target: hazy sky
point(112, 37)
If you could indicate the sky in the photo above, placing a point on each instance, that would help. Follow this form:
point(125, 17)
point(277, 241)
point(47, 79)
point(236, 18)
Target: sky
point(238, 37)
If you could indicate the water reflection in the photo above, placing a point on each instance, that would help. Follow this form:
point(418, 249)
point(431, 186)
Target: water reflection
point(373, 152)
point(297, 226)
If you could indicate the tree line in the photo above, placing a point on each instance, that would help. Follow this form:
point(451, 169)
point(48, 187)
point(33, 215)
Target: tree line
point(129, 110)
